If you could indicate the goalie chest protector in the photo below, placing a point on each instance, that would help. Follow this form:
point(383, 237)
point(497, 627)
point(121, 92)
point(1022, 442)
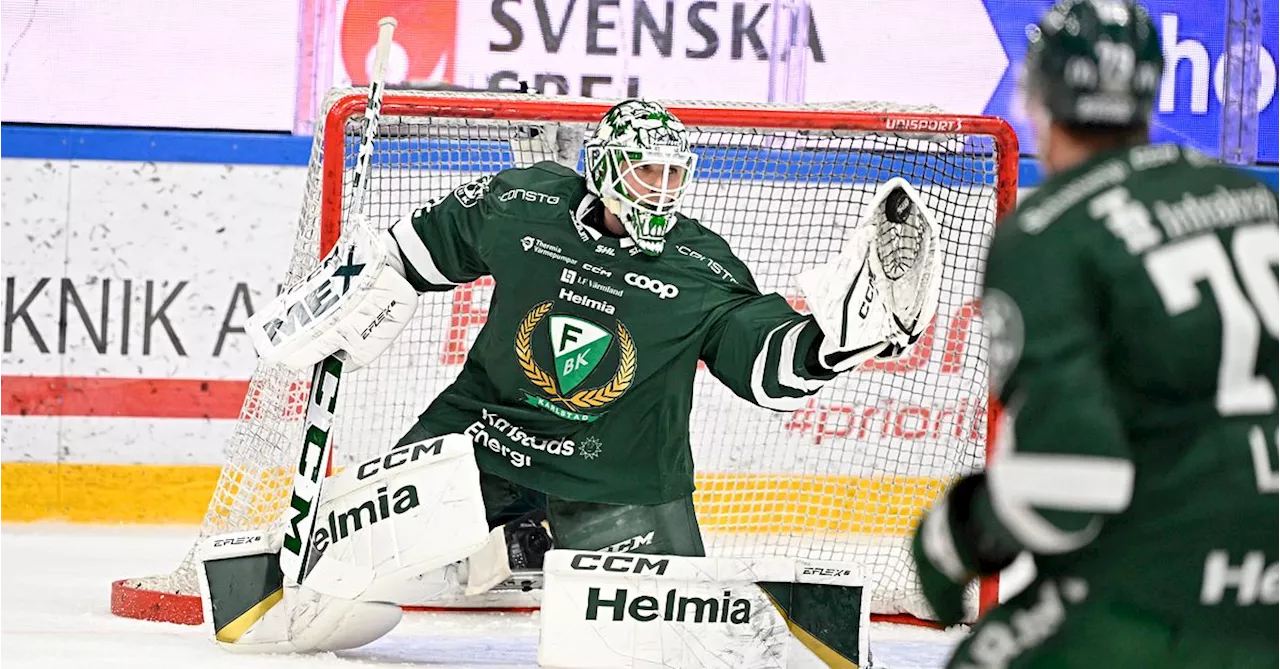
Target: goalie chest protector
point(581, 381)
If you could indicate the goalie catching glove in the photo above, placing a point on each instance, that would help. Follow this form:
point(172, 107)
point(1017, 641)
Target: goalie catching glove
point(877, 296)
point(353, 305)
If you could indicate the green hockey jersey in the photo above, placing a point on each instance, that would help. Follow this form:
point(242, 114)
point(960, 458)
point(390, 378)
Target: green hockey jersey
point(580, 383)
point(1132, 303)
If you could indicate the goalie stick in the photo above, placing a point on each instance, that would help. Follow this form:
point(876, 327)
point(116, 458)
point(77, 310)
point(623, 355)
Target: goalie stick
point(297, 556)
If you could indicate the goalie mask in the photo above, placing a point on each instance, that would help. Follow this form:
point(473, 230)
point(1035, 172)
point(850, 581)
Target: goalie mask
point(639, 163)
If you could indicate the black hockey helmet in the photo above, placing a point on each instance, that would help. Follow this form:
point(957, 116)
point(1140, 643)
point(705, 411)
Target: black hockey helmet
point(1095, 63)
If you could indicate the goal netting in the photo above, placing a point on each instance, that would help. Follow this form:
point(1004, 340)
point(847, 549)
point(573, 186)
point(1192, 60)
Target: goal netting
point(844, 477)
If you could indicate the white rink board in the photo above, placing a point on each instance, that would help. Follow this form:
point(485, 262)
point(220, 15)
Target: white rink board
point(226, 231)
point(156, 225)
point(111, 440)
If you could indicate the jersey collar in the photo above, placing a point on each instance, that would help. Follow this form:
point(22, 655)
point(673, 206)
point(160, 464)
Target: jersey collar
point(580, 215)
point(588, 207)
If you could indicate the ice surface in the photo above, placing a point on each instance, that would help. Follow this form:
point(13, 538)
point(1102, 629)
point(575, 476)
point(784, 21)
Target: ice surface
point(54, 599)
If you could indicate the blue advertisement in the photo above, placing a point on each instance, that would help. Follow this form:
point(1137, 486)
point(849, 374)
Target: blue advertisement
point(1189, 106)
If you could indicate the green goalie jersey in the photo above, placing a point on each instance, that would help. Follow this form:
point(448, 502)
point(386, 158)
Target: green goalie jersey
point(580, 383)
point(1133, 307)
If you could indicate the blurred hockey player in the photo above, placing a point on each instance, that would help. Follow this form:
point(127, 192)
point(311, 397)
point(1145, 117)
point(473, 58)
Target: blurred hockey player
point(1131, 302)
point(576, 395)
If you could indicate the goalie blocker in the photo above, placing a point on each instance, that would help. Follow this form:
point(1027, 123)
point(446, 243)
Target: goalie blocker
point(602, 610)
point(353, 305)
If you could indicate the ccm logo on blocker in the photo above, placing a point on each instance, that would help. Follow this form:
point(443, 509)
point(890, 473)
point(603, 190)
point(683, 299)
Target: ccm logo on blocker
point(664, 291)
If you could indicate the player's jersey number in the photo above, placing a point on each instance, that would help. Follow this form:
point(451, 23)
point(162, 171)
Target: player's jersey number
point(1176, 270)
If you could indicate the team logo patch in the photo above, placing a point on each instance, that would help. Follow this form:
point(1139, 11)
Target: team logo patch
point(470, 193)
point(578, 346)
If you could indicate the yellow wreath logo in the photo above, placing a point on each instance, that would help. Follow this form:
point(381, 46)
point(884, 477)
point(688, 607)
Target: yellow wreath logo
point(570, 406)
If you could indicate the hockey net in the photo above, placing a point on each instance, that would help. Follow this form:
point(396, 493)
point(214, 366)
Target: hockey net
point(844, 477)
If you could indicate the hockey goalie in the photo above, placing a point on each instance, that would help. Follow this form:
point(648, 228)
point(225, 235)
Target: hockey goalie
point(516, 466)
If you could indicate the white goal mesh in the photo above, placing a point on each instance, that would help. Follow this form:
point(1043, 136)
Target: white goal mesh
point(843, 478)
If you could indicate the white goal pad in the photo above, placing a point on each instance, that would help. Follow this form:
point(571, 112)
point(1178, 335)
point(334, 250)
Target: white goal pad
point(602, 610)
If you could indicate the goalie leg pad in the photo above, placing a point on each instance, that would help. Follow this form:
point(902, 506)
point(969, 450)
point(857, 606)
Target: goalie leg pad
point(242, 590)
point(387, 521)
point(253, 610)
point(627, 610)
point(390, 530)
point(322, 623)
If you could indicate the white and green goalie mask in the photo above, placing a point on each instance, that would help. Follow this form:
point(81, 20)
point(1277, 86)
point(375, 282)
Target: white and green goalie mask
point(639, 163)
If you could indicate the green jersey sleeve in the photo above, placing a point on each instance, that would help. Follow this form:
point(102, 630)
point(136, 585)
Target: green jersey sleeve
point(761, 348)
point(439, 243)
point(1062, 462)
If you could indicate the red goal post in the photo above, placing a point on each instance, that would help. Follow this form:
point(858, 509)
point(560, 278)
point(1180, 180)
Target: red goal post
point(874, 141)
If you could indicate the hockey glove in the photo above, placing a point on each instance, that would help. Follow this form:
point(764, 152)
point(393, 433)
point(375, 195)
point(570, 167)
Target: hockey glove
point(354, 305)
point(907, 260)
point(951, 549)
point(876, 297)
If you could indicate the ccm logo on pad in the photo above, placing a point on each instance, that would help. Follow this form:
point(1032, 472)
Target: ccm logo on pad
point(664, 291)
point(618, 563)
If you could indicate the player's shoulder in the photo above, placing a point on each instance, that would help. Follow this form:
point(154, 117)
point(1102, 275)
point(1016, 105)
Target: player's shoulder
point(1063, 197)
point(1166, 172)
point(1059, 221)
point(1201, 195)
point(1125, 202)
point(705, 253)
point(542, 190)
point(1152, 176)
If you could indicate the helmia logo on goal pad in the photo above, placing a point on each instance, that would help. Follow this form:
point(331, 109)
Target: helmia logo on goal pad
point(426, 34)
point(578, 346)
